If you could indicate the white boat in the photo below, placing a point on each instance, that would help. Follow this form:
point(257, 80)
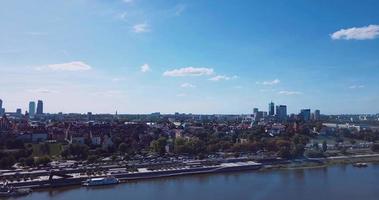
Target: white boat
point(109, 180)
point(360, 164)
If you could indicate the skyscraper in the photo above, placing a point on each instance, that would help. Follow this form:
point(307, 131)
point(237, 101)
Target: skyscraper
point(271, 109)
point(1, 107)
point(305, 114)
point(317, 115)
point(39, 107)
point(281, 112)
point(258, 116)
point(32, 108)
point(2, 110)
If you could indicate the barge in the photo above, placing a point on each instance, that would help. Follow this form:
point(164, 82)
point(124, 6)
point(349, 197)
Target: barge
point(109, 180)
point(10, 191)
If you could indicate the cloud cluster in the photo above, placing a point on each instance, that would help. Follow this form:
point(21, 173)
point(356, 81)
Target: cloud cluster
point(189, 71)
point(222, 78)
point(122, 16)
point(145, 68)
point(187, 85)
point(271, 82)
point(42, 90)
point(288, 93)
point(141, 28)
point(70, 66)
point(360, 33)
point(356, 86)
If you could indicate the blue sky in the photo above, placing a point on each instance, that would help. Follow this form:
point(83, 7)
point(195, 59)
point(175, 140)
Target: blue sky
point(139, 56)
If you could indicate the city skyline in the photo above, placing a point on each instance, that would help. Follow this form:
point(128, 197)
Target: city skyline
point(273, 110)
point(190, 56)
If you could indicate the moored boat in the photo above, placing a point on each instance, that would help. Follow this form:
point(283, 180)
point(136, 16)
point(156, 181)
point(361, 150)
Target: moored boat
point(360, 164)
point(8, 191)
point(109, 180)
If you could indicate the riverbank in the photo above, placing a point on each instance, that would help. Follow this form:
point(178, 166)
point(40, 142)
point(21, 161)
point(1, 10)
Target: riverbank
point(337, 181)
point(138, 174)
point(190, 168)
point(324, 162)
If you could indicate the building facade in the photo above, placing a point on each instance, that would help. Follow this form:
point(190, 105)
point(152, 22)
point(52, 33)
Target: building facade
point(305, 114)
point(281, 112)
point(271, 109)
point(32, 108)
point(39, 107)
point(2, 111)
point(317, 115)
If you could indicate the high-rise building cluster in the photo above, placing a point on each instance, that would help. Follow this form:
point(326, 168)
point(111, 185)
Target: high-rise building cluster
point(279, 113)
point(33, 110)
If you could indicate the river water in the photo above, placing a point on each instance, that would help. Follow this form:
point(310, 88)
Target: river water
point(336, 182)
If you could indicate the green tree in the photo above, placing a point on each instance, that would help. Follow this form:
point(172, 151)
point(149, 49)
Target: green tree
point(180, 146)
point(375, 147)
point(196, 146)
point(92, 158)
point(78, 151)
point(315, 145)
point(159, 145)
point(29, 161)
point(298, 150)
point(44, 160)
point(324, 146)
point(7, 162)
point(44, 148)
point(284, 148)
point(123, 148)
point(66, 153)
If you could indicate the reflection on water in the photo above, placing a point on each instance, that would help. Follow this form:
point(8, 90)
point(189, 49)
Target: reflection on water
point(299, 174)
point(337, 182)
point(343, 167)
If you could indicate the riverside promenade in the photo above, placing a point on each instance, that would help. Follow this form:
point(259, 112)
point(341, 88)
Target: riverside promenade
point(55, 178)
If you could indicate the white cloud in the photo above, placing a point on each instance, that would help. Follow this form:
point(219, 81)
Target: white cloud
point(189, 71)
point(360, 33)
point(220, 78)
point(145, 68)
point(356, 86)
point(141, 28)
point(109, 93)
point(122, 16)
point(267, 90)
point(70, 66)
point(42, 90)
point(284, 92)
point(273, 82)
point(187, 85)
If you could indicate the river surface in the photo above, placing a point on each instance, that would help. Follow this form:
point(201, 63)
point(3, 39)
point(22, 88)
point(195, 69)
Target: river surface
point(336, 182)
